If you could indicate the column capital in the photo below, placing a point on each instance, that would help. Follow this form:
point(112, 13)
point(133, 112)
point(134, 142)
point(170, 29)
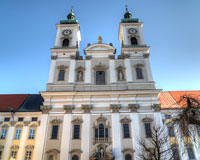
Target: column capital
point(156, 107)
point(53, 57)
point(88, 57)
point(26, 123)
point(133, 107)
point(86, 108)
point(111, 56)
point(68, 108)
point(115, 108)
point(45, 109)
point(12, 123)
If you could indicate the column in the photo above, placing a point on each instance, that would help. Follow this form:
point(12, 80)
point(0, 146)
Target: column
point(52, 71)
point(72, 71)
point(88, 71)
point(41, 138)
point(66, 137)
point(86, 136)
point(148, 69)
point(113, 78)
point(136, 133)
point(24, 136)
point(129, 75)
point(9, 138)
point(116, 136)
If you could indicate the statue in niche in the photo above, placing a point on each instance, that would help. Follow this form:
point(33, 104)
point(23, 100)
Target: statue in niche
point(101, 153)
point(120, 75)
point(80, 76)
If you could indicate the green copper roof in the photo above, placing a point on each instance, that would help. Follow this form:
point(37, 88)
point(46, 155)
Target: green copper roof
point(128, 17)
point(71, 19)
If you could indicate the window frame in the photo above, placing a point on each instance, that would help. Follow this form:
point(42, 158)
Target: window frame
point(28, 153)
point(53, 137)
point(18, 132)
point(31, 135)
point(126, 133)
point(193, 154)
point(76, 133)
point(3, 133)
point(171, 132)
point(148, 134)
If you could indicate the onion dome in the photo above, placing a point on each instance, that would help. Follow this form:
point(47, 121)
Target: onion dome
point(71, 15)
point(128, 17)
point(71, 19)
point(127, 14)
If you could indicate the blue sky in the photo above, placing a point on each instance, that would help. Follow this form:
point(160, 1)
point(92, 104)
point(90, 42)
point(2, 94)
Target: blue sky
point(27, 32)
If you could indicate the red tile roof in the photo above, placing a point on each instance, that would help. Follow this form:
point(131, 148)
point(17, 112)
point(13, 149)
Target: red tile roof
point(11, 100)
point(171, 99)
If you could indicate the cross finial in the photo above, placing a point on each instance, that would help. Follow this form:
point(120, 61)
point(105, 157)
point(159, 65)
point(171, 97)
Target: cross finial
point(126, 7)
point(72, 8)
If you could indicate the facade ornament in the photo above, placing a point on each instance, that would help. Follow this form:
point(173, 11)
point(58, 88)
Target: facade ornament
point(128, 150)
point(33, 125)
point(99, 40)
point(56, 121)
point(5, 126)
point(1, 122)
point(77, 121)
point(68, 108)
point(14, 147)
point(133, 107)
point(26, 123)
point(147, 119)
point(126, 56)
point(12, 123)
point(101, 119)
point(100, 67)
point(53, 57)
point(86, 108)
point(115, 108)
point(146, 55)
point(125, 120)
point(119, 57)
point(80, 71)
point(39, 123)
point(138, 65)
point(62, 67)
point(111, 56)
point(29, 147)
point(120, 73)
point(76, 151)
point(19, 126)
point(156, 107)
point(1, 147)
point(45, 109)
point(88, 57)
point(72, 57)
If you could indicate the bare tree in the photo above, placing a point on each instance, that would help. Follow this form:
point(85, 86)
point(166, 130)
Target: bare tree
point(157, 146)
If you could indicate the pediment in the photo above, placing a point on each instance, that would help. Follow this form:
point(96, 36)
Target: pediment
point(98, 48)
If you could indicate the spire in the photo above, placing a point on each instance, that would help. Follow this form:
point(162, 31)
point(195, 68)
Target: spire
point(71, 15)
point(71, 19)
point(128, 17)
point(127, 13)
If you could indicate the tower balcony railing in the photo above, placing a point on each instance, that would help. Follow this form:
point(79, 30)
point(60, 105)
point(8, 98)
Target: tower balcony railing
point(102, 140)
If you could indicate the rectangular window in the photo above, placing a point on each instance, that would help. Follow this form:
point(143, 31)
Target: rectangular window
point(17, 134)
point(20, 119)
point(31, 134)
point(139, 73)
point(28, 155)
point(13, 154)
point(3, 133)
point(175, 154)
point(61, 76)
point(76, 131)
point(171, 131)
point(6, 119)
point(190, 153)
point(100, 78)
point(96, 133)
point(34, 119)
point(148, 130)
point(167, 116)
point(54, 133)
point(126, 130)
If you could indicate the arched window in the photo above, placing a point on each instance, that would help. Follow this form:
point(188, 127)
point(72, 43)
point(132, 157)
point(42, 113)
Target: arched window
point(139, 73)
point(65, 42)
point(61, 75)
point(75, 157)
point(101, 131)
point(51, 157)
point(134, 41)
point(128, 157)
point(100, 77)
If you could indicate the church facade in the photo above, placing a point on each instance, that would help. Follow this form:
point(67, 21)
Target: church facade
point(98, 107)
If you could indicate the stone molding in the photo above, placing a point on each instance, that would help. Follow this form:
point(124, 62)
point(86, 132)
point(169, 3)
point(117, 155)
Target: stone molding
point(53, 57)
point(45, 109)
point(100, 67)
point(156, 107)
point(138, 65)
point(53, 151)
point(133, 107)
point(147, 120)
point(126, 56)
point(120, 68)
point(115, 108)
point(5, 126)
point(19, 126)
point(77, 121)
point(56, 121)
point(14, 147)
point(128, 150)
point(76, 151)
point(1, 147)
point(111, 56)
point(146, 55)
point(29, 147)
point(68, 108)
point(101, 119)
point(125, 120)
point(80, 68)
point(62, 67)
point(86, 108)
point(33, 125)
point(26, 123)
point(12, 123)
point(88, 57)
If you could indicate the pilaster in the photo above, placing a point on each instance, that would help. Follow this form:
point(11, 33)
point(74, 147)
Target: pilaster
point(113, 78)
point(72, 71)
point(52, 70)
point(129, 75)
point(88, 67)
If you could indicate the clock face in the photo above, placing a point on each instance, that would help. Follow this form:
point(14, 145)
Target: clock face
point(67, 32)
point(132, 31)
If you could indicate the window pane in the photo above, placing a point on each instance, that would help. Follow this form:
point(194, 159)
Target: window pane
point(106, 132)
point(54, 133)
point(34, 119)
point(96, 133)
point(31, 134)
point(148, 130)
point(76, 131)
point(101, 130)
point(61, 75)
point(20, 119)
point(171, 131)
point(134, 41)
point(100, 77)
point(139, 73)
point(6, 119)
point(66, 42)
point(28, 155)
point(17, 134)
point(190, 153)
point(128, 157)
point(3, 133)
point(126, 131)
point(13, 155)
